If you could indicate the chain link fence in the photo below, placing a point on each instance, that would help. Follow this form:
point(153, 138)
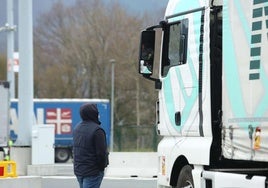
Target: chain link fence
point(136, 138)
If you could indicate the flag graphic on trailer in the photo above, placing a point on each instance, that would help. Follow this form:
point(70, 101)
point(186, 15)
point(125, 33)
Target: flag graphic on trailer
point(61, 118)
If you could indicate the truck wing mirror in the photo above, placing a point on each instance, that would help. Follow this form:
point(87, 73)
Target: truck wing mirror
point(147, 49)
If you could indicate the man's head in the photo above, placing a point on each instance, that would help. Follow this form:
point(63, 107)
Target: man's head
point(89, 111)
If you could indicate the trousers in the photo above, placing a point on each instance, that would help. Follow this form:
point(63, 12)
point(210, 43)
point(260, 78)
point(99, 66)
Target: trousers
point(90, 181)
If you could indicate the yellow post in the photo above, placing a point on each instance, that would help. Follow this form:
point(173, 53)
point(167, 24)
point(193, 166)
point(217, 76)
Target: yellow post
point(8, 169)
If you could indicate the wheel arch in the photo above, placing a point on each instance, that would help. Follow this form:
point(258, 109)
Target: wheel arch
point(180, 162)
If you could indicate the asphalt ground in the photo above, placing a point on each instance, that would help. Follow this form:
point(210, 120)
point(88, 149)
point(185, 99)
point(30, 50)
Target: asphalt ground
point(108, 182)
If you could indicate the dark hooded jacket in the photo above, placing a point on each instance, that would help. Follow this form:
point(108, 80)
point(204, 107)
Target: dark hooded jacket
point(90, 146)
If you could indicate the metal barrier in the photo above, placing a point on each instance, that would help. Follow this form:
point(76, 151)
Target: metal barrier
point(135, 138)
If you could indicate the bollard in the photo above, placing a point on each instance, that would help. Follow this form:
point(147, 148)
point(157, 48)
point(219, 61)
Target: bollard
point(8, 169)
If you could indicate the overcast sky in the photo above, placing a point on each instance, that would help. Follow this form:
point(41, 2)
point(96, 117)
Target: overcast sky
point(42, 6)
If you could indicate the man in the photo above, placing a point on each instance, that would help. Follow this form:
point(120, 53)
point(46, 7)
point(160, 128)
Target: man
point(90, 148)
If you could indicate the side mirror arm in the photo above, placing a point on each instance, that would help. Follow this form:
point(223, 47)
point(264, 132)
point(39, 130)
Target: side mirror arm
point(158, 83)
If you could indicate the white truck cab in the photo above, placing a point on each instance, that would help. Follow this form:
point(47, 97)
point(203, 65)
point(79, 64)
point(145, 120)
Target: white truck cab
point(212, 82)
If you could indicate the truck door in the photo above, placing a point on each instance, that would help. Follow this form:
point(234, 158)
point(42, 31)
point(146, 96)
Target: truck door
point(182, 72)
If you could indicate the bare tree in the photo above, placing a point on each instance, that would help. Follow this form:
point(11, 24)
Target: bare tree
point(3, 67)
point(73, 47)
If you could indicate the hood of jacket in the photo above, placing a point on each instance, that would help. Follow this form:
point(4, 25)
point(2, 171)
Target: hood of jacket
point(89, 112)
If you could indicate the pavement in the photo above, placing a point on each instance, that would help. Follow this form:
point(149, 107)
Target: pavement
point(126, 169)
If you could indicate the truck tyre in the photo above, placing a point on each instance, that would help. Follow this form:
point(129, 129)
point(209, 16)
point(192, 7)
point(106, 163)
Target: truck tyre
point(62, 155)
point(185, 179)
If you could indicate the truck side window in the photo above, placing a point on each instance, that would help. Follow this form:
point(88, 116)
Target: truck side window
point(175, 41)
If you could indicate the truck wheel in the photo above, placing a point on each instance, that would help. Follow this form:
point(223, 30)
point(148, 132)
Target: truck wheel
point(62, 155)
point(185, 179)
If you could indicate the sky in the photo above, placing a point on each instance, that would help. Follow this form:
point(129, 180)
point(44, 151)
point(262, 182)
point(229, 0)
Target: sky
point(139, 6)
point(42, 6)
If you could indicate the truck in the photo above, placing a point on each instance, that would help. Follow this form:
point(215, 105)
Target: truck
point(211, 74)
point(64, 115)
point(4, 113)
